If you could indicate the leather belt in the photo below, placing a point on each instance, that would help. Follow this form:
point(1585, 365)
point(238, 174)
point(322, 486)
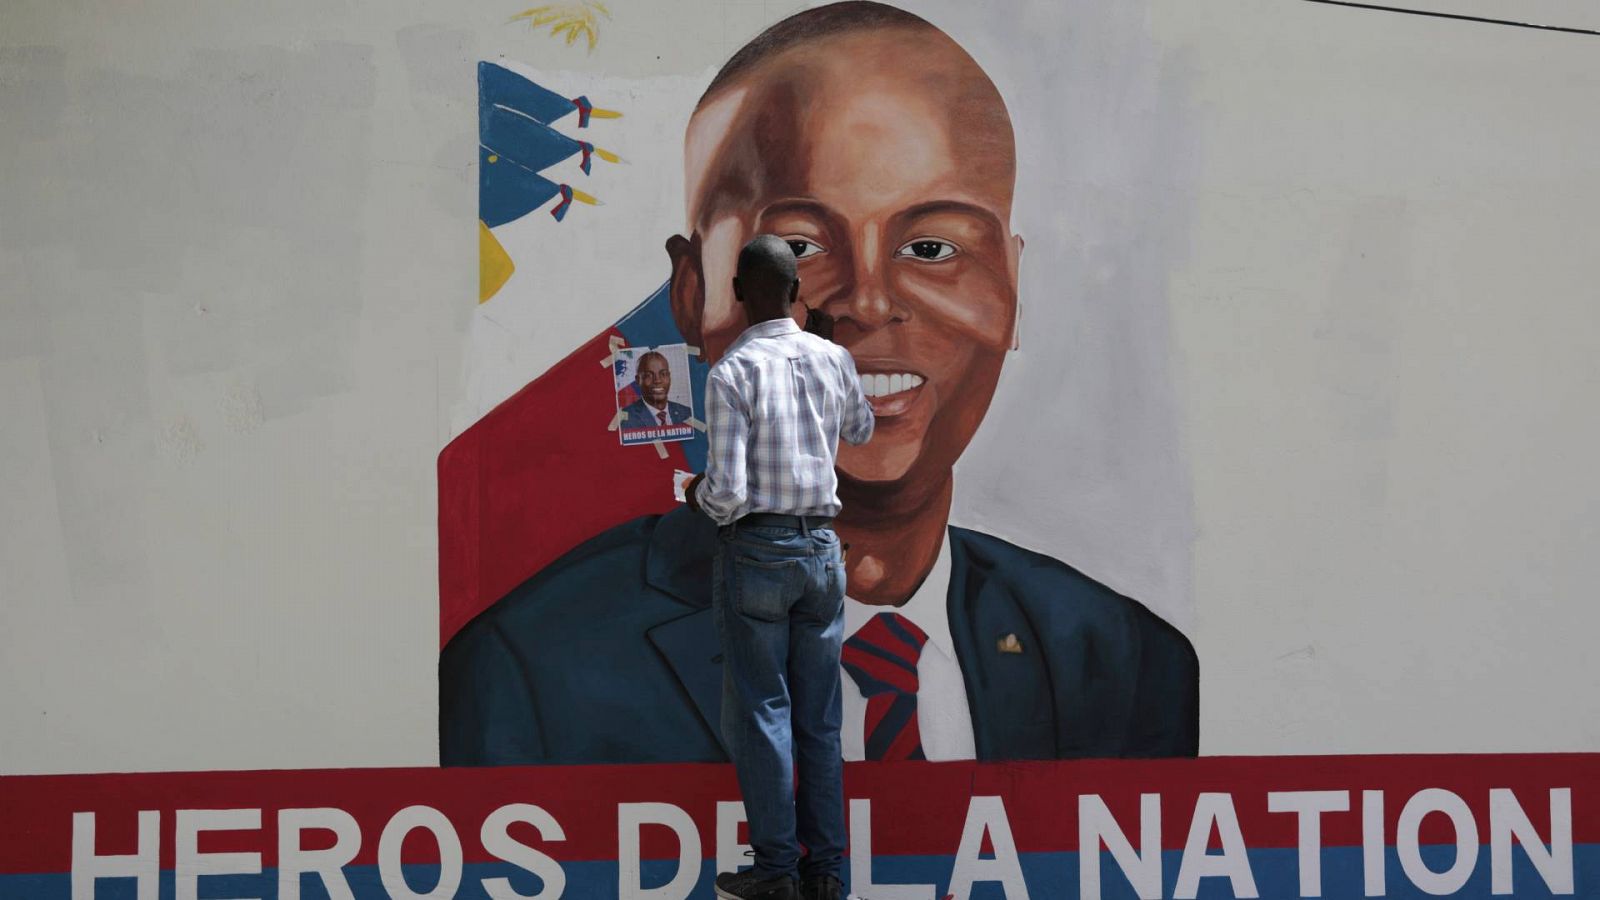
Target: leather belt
point(778, 520)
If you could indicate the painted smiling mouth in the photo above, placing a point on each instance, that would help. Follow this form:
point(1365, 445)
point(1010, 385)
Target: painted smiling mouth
point(880, 385)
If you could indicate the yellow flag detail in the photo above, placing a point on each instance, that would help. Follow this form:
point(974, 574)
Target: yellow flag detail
point(494, 264)
point(575, 20)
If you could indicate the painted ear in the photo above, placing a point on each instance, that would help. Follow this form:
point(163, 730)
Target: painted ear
point(1016, 281)
point(687, 290)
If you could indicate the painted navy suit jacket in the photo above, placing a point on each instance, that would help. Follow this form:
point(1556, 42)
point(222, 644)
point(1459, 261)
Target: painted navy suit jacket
point(639, 414)
point(610, 655)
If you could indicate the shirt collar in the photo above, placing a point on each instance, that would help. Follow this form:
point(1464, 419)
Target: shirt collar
point(928, 607)
point(769, 328)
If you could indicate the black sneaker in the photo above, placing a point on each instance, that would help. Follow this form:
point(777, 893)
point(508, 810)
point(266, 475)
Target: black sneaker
point(748, 885)
point(823, 887)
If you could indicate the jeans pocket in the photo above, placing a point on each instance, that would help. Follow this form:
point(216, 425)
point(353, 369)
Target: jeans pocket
point(837, 581)
point(763, 590)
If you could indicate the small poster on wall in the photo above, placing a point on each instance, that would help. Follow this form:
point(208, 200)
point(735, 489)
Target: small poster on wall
point(654, 400)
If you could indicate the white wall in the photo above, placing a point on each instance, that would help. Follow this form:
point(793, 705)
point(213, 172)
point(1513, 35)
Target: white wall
point(1387, 331)
point(1345, 256)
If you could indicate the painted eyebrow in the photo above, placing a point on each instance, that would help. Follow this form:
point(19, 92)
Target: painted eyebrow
point(801, 205)
point(957, 207)
point(806, 206)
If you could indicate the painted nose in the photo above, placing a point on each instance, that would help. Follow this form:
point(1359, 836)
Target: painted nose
point(870, 303)
point(870, 306)
point(863, 300)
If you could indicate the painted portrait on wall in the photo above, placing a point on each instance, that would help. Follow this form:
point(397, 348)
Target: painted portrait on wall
point(576, 614)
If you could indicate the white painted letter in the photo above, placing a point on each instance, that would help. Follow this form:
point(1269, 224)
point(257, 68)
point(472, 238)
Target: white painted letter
point(1142, 868)
point(1233, 863)
point(496, 836)
point(1406, 841)
point(1372, 848)
point(633, 816)
point(191, 863)
point(391, 868)
point(730, 853)
point(861, 862)
point(144, 863)
point(1309, 805)
point(328, 864)
point(1507, 821)
point(987, 814)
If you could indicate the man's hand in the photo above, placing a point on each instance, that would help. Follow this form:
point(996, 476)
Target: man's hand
point(819, 323)
point(688, 492)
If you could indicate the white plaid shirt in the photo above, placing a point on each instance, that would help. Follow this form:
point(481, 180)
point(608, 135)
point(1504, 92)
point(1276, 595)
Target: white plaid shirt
point(777, 404)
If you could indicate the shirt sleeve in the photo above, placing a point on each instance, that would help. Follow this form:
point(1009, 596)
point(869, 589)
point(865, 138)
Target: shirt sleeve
point(724, 489)
point(858, 420)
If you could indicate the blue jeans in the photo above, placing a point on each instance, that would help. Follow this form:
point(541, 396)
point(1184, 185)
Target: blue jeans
point(778, 598)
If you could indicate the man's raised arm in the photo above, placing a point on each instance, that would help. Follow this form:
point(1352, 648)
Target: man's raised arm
point(858, 421)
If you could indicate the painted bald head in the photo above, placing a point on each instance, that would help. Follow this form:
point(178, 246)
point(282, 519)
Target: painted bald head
point(882, 154)
point(855, 49)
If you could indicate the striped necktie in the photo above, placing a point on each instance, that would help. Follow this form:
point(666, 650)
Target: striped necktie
point(882, 657)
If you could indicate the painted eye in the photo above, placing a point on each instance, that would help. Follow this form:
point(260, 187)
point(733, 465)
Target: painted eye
point(927, 250)
point(804, 249)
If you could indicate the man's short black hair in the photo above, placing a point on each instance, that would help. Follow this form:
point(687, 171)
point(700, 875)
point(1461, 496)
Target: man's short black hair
point(652, 353)
point(766, 270)
point(811, 25)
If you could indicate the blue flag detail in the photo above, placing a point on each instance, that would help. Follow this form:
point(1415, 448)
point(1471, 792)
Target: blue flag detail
point(527, 143)
point(499, 86)
point(516, 143)
point(507, 191)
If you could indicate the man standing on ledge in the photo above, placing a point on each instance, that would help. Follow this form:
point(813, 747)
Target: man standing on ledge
point(777, 403)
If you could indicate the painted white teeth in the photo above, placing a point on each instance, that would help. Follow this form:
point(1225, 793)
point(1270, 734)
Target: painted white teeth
point(881, 385)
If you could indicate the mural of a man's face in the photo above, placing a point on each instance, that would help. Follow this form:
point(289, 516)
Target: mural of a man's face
point(885, 157)
point(655, 379)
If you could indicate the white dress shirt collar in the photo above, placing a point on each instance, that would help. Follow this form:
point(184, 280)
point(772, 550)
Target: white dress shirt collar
point(769, 328)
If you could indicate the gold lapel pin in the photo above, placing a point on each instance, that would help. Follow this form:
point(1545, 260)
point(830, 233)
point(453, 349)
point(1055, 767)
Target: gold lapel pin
point(1009, 644)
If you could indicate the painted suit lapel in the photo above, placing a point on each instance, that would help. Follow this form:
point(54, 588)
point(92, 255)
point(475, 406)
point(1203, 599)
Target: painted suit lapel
point(1009, 694)
point(679, 563)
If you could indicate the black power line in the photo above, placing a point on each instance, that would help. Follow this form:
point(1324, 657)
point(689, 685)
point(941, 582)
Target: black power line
point(1456, 16)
